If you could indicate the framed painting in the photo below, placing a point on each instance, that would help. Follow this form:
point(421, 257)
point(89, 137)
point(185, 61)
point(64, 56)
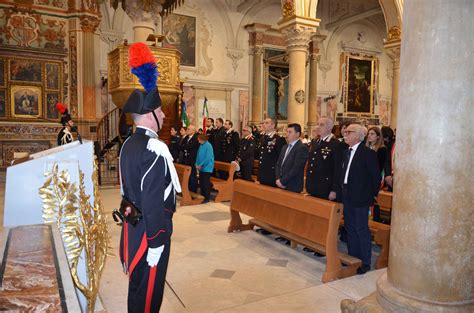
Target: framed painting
point(3, 103)
point(51, 99)
point(180, 33)
point(26, 101)
point(277, 92)
point(360, 83)
point(52, 75)
point(2, 72)
point(25, 70)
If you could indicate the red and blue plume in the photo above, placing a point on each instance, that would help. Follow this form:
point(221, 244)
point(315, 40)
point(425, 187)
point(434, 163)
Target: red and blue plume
point(143, 65)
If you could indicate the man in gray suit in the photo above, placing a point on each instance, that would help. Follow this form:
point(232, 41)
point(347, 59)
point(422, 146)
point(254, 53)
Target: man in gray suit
point(289, 170)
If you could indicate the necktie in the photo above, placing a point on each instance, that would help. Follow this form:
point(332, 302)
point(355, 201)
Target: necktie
point(286, 153)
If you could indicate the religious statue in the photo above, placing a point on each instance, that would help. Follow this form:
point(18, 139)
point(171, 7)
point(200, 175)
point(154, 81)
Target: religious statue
point(280, 79)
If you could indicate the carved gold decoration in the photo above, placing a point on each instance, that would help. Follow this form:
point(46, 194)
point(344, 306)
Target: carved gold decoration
point(83, 227)
point(89, 23)
point(122, 82)
point(288, 9)
point(395, 33)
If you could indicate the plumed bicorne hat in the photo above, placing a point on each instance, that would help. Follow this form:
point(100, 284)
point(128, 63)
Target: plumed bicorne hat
point(143, 65)
point(66, 117)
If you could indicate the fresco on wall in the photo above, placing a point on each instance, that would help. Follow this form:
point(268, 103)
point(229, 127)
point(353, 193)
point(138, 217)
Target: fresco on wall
point(52, 76)
point(30, 30)
point(52, 98)
point(360, 83)
point(26, 101)
point(180, 33)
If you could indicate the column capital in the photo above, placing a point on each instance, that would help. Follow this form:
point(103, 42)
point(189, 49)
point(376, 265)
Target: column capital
point(89, 23)
point(393, 43)
point(256, 50)
point(298, 31)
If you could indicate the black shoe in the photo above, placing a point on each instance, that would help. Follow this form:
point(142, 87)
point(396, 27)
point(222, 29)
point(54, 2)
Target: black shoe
point(363, 269)
point(284, 240)
point(263, 232)
point(319, 255)
point(305, 249)
point(204, 201)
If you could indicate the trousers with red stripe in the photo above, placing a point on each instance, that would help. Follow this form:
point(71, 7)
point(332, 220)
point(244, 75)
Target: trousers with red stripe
point(146, 286)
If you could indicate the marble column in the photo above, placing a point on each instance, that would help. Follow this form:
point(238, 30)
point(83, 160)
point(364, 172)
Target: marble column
point(314, 58)
point(88, 25)
point(256, 32)
point(297, 47)
point(392, 48)
point(257, 99)
point(145, 16)
point(430, 264)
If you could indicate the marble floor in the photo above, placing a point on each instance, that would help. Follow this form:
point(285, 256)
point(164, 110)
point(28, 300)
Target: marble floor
point(211, 270)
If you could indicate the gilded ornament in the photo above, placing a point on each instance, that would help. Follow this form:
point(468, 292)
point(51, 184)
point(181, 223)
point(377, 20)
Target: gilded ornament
point(83, 226)
point(395, 33)
point(288, 9)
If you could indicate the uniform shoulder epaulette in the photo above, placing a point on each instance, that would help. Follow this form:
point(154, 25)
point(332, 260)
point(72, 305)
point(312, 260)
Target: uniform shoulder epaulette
point(158, 147)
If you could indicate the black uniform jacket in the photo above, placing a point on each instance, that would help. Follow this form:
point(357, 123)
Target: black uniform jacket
point(211, 134)
point(324, 166)
point(246, 151)
point(64, 137)
point(270, 147)
point(230, 146)
point(146, 179)
point(218, 145)
point(190, 148)
point(174, 146)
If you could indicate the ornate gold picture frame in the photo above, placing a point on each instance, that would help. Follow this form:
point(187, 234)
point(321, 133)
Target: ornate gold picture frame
point(26, 101)
point(360, 82)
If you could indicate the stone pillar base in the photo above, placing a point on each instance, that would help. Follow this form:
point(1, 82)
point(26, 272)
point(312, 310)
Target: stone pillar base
point(389, 299)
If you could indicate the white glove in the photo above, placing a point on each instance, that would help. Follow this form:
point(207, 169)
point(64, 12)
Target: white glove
point(154, 254)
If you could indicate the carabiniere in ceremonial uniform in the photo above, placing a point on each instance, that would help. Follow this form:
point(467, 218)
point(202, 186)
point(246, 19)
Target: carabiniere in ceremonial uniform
point(149, 184)
point(270, 147)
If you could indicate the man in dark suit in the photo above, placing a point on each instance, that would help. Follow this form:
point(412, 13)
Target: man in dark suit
point(231, 143)
point(246, 153)
point(270, 147)
point(360, 180)
point(190, 147)
point(324, 162)
point(210, 130)
point(289, 170)
point(219, 135)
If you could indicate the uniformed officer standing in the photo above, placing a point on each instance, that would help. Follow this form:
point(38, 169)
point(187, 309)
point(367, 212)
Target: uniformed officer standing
point(218, 143)
point(245, 156)
point(174, 143)
point(65, 135)
point(324, 162)
point(190, 147)
point(270, 147)
point(231, 142)
point(210, 130)
point(150, 182)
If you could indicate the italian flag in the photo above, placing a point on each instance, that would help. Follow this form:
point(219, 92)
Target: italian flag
point(205, 114)
point(184, 115)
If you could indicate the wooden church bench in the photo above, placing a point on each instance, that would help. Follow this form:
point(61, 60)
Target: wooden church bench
point(223, 187)
point(187, 197)
point(303, 220)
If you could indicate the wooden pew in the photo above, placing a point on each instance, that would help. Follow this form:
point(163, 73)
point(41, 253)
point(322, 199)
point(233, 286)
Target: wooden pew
point(304, 220)
point(223, 187)
point(381, 232)
point(184, 171)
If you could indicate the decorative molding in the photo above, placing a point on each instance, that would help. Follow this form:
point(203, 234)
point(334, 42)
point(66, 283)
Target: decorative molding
point(73, 94)
point(394, 34)
point(89, 23)
point(325, 67)
point(358, 45)
point(256, 50)
point(143, 11)
point(235, 55)
point(288, 9)
point(112, 37)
